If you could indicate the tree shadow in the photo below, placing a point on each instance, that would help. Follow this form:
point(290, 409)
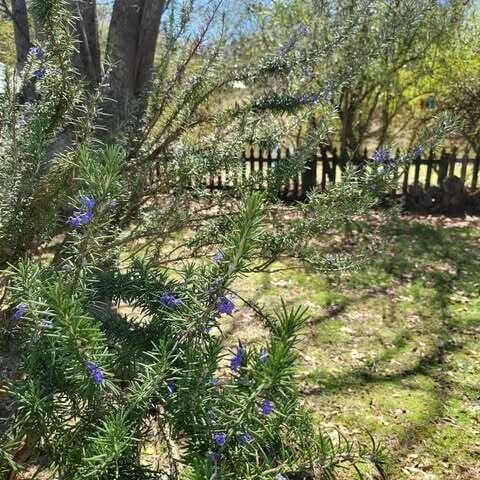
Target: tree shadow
point(448, 261)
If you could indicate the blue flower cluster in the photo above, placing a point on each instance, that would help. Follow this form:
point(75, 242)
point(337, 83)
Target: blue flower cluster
point(218, 257)
point(225, 305)
point(170, 300)
point(417, 151)
point(246, 437)
point(39, 73)
point(266, 407)
point(238, 359)
point(220, 439)
point(37, 52)
point(95, 373)
point(20, 311)
point(84, 216)
point(382, 155)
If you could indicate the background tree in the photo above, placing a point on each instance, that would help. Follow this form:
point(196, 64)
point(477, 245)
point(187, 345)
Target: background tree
point(380, 51)
point(454, 83)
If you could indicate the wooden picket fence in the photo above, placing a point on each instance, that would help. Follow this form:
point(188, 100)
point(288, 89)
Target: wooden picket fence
point(326, 168)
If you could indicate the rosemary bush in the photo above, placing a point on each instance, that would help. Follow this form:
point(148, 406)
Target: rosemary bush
point(93, 390)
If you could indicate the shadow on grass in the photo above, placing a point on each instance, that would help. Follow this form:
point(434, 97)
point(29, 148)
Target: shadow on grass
point(447, 260)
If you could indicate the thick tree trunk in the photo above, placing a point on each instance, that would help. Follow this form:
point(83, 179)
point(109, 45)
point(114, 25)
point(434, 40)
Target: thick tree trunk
point(87, 58)
point(21, 31)
point(132, 40)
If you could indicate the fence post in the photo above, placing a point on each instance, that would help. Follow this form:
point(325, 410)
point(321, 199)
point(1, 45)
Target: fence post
point(309, 175)
point(416, 178)
point(452, 162)
point(443, 167)
point(269, 164)
point(405, 178)
point(364, 159)
point(251, 161)
point(463, 170)
point(296, 184)
point(260, 162)
point(428, 177)
point(334, 165)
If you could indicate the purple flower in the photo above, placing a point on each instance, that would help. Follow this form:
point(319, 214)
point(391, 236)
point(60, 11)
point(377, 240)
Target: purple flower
point(84, 216)
point(20, 311)
point(39, 74)
point(246, 437)
point(95, 373)
point(382, 155)
point(88, 202)
point(171, 387)
point(220, 439)
point(170, 300)
point(37, 52)
point(266, 407)
point(74, 221)
point(218, 257)
point(225, 305)
point(264, 355)
point(80, 218)
point(238, 359)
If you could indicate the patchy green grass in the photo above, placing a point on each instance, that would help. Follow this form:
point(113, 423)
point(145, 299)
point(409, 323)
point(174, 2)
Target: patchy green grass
point(395, 347)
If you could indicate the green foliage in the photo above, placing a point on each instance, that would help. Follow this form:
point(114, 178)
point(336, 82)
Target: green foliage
point(454, 78)
point(162, 371)
point(85, 226)
point(374, 57)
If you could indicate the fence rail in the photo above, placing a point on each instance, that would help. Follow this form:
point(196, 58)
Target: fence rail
point(443, 182)
point(327, 167)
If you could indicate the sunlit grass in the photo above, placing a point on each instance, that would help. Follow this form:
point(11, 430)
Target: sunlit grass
point(394, 347)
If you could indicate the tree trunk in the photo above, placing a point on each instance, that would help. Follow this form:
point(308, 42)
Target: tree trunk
point(21, 31)
point(87, 57)
point(131, 45)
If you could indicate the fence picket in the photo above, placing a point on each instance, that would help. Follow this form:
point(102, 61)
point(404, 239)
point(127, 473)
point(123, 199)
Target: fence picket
point(416, 178)
point(443, 167)
point(428, 176)
point(405, 179)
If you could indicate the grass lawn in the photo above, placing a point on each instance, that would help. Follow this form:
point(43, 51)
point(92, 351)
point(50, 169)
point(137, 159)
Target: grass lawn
point(394, 348)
